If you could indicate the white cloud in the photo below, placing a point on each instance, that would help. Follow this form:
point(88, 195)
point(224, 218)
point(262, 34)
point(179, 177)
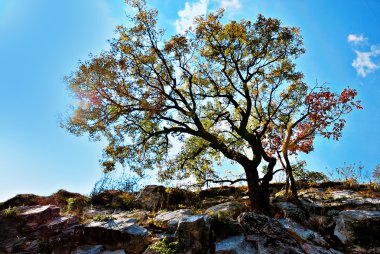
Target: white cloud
point(187, 15)
point(230, 4)
point(364, 62)
point(356, 39)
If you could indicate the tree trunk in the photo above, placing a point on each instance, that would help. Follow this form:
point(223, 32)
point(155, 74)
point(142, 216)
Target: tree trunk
point(258, 194)
point(289, 173)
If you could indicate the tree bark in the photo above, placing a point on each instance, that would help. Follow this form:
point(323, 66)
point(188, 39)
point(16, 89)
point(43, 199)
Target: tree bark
point(258, 193)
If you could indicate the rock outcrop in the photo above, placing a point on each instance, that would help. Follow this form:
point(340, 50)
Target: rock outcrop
point(108, 223)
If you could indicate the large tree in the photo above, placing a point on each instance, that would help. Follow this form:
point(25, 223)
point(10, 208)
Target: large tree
point(222, 89)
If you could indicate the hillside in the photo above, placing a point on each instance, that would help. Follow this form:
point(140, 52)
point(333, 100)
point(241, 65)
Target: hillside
point(330, 218)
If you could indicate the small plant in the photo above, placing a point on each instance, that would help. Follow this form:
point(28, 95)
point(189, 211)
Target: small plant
point(102, 217)
point(165, 246)
point(76, 205)
point(10, 213)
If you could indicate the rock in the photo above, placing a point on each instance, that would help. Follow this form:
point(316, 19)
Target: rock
point(290, 210)
point(152, 197)
point(88, 249)
point(267, 234)
point(170, 219)
point(359, 227)
point(234, 245)
point(307, 235)
point(116, 234)
point(194, 234)
point(113, 252)
point(228, 209)
point(37, 215)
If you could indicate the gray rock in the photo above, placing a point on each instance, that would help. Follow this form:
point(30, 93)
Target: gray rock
point(152, 197)
point(358, 226)
point(37, 215)
point(290, 210)
point(88, 249)
point(267, 234)
point(113, 252)
point(302, 232)
point(194, 234)
point(227, 209)
point(116, 234)
point(234, 245)
point(170, 219)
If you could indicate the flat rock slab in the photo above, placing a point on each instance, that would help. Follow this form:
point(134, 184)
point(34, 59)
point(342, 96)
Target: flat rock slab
point(306, 234)
point(228, 209)
point(36, 215)
point(170, 219)
point(116, 234)
point(358, 226)
point(234, 245)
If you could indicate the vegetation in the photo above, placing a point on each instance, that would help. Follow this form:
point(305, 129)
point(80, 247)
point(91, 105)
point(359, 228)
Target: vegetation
point(10, 213)
point(224, 90)
point(165, 246)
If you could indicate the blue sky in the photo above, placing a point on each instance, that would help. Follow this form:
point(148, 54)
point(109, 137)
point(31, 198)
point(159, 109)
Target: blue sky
point(41, 41)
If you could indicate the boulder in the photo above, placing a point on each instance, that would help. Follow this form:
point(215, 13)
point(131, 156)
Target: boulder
point(234, 245)
point(116, 234)
point(37, 215)
point(152, 197)
point(194, 234)
point(227, 209)
point(359, 227)
point(88, 249)
point(170, 219)
point(292, 211)
point(307, 235)
point(267, 234)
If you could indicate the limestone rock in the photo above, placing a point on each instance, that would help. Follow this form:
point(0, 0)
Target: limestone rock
point(88, 249)
point(227, 209)
point(358, 226)
point(152, 197)
point(170, 219)
point(267, 234)
point(234, 245)
point(194, 234)
point(290, 210)
point(307, 235)
point(36, 215)
point(116, 234)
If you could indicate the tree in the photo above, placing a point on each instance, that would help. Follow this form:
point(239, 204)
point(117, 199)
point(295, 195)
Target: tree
point(222, 90)
point(321, 113)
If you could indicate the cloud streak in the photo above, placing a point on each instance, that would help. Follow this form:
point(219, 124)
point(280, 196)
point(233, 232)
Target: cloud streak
point(187, 15)
point(366, 61)
point(230, 4)
point(356, 39)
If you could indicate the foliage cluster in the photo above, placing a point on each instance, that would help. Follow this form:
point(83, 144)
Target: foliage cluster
point(165, 246)
point(10, 213)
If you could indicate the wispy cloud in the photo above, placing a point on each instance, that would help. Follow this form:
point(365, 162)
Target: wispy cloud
point(364, 62)
point(187, 15)
point(230, 4)
point(356, 39)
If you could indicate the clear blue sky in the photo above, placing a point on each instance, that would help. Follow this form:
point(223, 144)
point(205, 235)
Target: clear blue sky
point(42, 40)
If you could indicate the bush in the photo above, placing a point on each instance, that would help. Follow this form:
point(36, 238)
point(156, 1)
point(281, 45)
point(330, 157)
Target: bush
point(165, 246)
point(77, 204)
point(10, 213)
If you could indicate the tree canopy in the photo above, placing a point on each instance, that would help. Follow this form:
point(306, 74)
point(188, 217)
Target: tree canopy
point(223, 90)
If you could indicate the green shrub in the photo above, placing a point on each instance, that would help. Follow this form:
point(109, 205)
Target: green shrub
point(76, 205)
point(102, 217)
point(10, 213)
point(165, 246)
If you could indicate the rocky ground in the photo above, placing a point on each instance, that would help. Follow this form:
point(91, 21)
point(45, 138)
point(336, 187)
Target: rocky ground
point(329, 219)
